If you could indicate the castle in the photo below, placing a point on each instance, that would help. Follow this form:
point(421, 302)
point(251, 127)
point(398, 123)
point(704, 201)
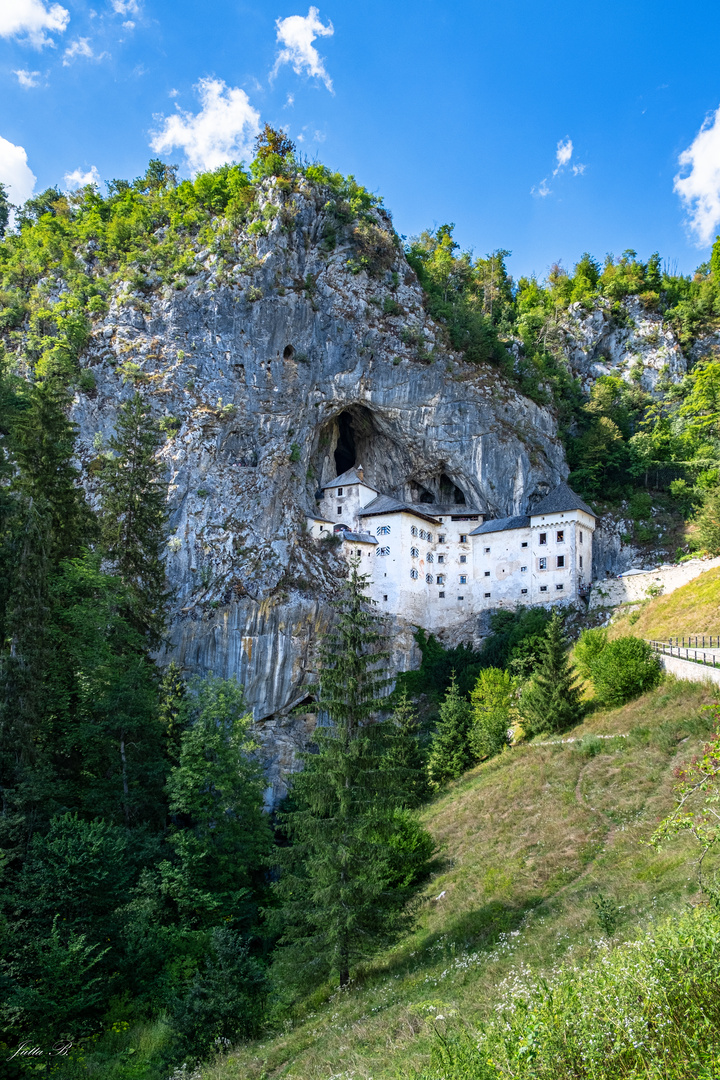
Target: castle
point(436, 564)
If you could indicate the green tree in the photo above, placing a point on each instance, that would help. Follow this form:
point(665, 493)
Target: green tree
point(403, 760)
point(589, 646)
point(626, 668)
point(494, 708)
point(342, 891)
point(451, 752)
point(134, 515)
point(552, 700)
point(4, 210)
point(708, 522)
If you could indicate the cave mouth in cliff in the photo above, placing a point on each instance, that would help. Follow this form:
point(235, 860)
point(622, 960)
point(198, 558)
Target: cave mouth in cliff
point(345, 450)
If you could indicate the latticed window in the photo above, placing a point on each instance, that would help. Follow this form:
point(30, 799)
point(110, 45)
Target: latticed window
point(413, 530)
point(430, 557)
point(429, 537)
point(423, 534)
point(383, 551)
point(415, 553)
point(383, 530)
point(429, 579)
point(414, 574)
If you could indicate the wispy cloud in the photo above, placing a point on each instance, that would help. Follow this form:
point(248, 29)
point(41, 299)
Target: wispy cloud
point(32, 21)
point(126, 7)
point(700, 189)
point(27, 79)
point(221, 131)
point(563, 159)
point(296, 35)
point(81, 47)
point(77, 178)
point(15, 172)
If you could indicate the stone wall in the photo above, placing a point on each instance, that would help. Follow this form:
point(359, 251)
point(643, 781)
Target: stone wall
point(639, 587)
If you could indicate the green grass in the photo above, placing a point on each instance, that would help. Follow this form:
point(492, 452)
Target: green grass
point(526, 841)
point(692, 609)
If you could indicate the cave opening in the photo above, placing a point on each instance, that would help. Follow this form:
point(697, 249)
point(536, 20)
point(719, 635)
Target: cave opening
point(450, 492)
point(345, 450)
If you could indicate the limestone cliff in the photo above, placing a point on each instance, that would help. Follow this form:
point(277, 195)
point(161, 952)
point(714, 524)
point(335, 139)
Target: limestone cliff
point(271, 379)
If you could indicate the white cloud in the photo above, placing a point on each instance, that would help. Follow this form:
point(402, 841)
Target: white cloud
point(563, 154)
point(15, 172)
point(290, 101)
point(125, 7)
point(27, 79)
point(173, 93)
point(33, 19)
point(296, 34)
point(700, 189)
point(541, 190)
point(578, 169)
point(78, 178)
point(222, 131)
point(81, 47)
point(128, 25)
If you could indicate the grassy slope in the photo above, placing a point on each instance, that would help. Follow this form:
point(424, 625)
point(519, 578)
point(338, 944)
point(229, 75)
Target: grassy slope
point(692, 609)
point(525, 842)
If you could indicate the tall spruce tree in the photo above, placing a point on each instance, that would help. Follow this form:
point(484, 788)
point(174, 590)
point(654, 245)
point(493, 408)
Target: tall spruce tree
point(451, 752)
point(341, 893)
point(404, 761)
point(134, 514)
point(552, 700)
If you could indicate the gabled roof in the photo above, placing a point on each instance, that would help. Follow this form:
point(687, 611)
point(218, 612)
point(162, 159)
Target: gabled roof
point(359, 537)
point(560, 499)
point(450, 509)
point(385, 504)
point(316, 517)
point(350, 477)
point(502, 525)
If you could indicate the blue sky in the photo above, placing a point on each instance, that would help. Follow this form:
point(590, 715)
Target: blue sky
point(546, 130)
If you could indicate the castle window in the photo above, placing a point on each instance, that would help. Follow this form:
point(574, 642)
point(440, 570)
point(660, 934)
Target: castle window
point(487, 573)
point(542, 564)
point(441, 538)
point(429, 579)
point(383, 530)
point(463, 538)
point(340, 491)
point(429, 537)
point(430, 557)
point(523, 591)
point(559, 588)
point(414, 574)
point(414, 553)
point(560, 536)
point(339, 509)
point(463, 579)
point(581, 539)
point(524, 543)
point(413, 530)
point(487, 595)
point(523, 569)
point(543, 588)
point(385, 596)
point(358, 551)
point(581, 562)
point(461, 597)
point(487, 551)
point(441, 595)
point(543, 538)
point(383, 551)
point(440, 579)
point(423, 534)
point(441, 558)
point(560, 561)
point(463, 558)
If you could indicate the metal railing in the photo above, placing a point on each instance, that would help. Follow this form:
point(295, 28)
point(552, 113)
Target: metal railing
point(709, 656)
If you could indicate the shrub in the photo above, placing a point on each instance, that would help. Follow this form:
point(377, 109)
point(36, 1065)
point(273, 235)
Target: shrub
point(625, 668)
point(590, 644)
point(493, 703)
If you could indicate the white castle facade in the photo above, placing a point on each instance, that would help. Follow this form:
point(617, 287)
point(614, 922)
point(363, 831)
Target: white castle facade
point(437, 564)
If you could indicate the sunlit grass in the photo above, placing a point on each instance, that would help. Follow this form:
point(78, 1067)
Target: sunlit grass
point(692, 609)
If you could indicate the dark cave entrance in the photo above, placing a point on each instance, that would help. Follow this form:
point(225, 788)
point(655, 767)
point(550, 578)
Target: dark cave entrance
point(345, 450)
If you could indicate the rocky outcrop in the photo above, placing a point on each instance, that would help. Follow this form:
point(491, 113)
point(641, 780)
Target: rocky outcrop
point(271, 377)
point(635, 346)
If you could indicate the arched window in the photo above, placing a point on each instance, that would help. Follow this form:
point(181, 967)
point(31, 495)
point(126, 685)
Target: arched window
point(428, 536)
point(415, 552)
point(414, 574)
point(413, 530)
point(429, 579)
point(423, 534)
point(430, 557)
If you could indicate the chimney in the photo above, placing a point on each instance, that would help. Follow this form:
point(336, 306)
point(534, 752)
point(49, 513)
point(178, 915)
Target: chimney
point(359, 471)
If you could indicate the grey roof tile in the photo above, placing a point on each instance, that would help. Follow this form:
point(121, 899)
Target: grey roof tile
point(502, 525)
point(560, 499)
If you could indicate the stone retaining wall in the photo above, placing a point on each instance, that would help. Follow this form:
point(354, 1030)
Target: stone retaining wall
point(634, 589)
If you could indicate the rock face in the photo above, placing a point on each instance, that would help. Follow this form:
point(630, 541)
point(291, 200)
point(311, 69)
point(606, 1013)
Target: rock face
point(271, 380)
point(637, 346)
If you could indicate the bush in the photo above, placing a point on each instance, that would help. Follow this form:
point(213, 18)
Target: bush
point(626, 668)
point(590, 644)
point(493, 701)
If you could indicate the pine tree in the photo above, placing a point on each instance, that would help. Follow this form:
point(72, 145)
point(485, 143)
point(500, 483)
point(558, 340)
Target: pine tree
point(451, 751)
point(134, 515)
point(403, 762)
point(341, 889)
point(552, 700)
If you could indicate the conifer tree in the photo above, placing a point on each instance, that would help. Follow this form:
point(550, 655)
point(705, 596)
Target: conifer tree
point(134, 515)
point(403, 762)
point(552, 700)
point(341, 890)
point(451, 752)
